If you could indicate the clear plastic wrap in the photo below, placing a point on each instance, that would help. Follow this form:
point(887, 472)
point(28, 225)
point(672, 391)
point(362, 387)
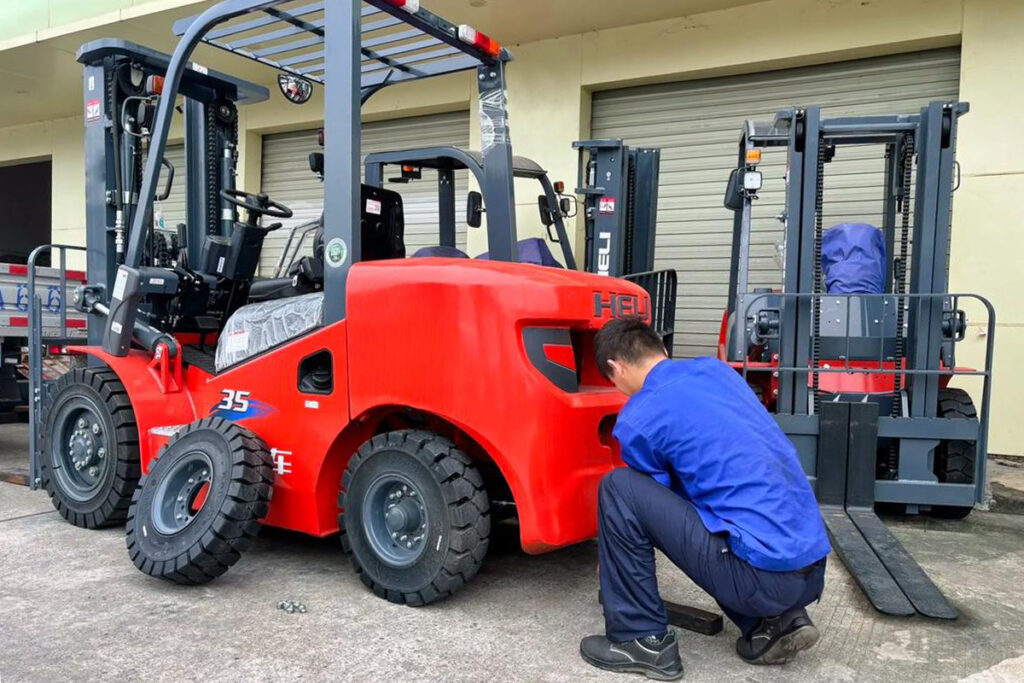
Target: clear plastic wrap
point(257, 327)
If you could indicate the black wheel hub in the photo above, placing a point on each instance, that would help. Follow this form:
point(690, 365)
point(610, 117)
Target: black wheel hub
point(80, 450)
point(395, 520)
point(180, 497)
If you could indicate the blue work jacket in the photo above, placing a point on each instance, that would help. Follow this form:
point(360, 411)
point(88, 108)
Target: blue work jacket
point(696, 427)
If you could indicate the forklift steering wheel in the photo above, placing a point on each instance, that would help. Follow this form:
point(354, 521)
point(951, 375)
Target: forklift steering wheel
point(256, 204)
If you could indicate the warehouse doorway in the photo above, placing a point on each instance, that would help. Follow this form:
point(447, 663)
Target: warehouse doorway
point(25, 193)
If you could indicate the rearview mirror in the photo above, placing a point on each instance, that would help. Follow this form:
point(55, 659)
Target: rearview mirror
point(474, 209)
point(545, 211)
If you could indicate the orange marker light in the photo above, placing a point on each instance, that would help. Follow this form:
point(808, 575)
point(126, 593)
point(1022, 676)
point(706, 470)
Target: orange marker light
point(753, 156)
point(488, 45)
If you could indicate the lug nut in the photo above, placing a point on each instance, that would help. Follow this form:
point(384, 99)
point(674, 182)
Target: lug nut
point(102, 452)
point(93, 471)
point(96, 429)
point(408, 545)
point(191, 481)
point(78, 466)
point(82, 423)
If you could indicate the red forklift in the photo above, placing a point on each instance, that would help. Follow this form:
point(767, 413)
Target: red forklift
point(856, 354)
point(398, 402)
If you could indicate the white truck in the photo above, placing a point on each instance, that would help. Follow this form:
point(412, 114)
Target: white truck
point(58, 321)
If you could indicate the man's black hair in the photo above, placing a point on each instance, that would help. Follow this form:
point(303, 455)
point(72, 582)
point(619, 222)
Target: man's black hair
point(629, 340)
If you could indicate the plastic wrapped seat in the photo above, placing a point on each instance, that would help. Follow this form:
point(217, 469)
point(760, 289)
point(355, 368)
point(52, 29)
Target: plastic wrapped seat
point(257, 327)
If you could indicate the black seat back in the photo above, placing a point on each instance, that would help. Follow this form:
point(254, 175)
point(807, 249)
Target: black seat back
point(382, 223)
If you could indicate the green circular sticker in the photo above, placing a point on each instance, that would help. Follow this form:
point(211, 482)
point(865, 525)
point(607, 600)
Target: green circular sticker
point(336, 252)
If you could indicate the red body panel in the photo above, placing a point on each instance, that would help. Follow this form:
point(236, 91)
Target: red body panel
point(442, 337)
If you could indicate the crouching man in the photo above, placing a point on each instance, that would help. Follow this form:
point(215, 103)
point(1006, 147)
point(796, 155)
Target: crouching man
point(715, 485)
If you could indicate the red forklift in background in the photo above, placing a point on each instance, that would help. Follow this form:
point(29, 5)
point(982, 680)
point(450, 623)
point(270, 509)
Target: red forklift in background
point(398, 401)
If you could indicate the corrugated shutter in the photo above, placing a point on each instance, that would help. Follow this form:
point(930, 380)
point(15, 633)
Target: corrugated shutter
point(173, 208)
point(697, 125)
point(287, 178)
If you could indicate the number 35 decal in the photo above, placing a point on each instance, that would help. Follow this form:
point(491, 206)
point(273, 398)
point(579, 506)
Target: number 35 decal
point(235, 401)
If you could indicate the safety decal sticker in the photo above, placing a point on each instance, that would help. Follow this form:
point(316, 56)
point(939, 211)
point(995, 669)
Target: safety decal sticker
point(606, 205)
point(336, 252)
point(93, 111)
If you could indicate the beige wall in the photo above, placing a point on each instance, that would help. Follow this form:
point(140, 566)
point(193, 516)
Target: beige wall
point(550, 83)
point(987, 222)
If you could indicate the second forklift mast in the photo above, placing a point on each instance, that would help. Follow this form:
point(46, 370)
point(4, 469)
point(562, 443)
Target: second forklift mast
point(619, 185)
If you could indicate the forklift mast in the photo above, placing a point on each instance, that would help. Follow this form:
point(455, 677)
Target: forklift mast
point(122, 84)
point(619, 185)
point(857, 375)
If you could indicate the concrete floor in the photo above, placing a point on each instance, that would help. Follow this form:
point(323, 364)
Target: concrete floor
point(73, 607)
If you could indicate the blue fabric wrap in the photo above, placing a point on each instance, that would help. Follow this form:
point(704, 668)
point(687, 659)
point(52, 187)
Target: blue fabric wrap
point(533, 250)
point(443, 252)
point(853, 258)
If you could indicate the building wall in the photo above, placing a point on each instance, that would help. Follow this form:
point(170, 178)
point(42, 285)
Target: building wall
point(22, 20)
point(551, 81)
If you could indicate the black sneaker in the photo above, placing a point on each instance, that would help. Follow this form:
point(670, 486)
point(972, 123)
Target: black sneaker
point(777, 640)
point(655, 657)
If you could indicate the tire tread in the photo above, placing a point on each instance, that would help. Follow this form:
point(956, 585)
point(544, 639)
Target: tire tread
point(466, 497)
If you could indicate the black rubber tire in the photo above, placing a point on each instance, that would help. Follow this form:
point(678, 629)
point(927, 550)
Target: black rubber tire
point(955, 460)
point(101, 389)
point(224, 527)
point(458, 513)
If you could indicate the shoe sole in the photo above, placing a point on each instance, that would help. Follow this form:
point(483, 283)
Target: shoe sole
point(787, 647)
point(634, 668)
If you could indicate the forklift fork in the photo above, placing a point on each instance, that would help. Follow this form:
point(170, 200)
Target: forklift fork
point(891, 579)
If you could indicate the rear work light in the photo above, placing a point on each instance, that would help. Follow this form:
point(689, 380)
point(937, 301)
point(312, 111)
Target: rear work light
point(471, 36)
point(410, 6)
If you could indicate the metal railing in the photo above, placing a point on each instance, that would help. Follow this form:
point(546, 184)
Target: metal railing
point(293, 247)
point(946, 305)
point(36, 340)
point(660, 285)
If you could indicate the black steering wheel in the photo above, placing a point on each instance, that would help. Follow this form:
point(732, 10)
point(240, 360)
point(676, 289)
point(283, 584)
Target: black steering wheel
point(256, 205)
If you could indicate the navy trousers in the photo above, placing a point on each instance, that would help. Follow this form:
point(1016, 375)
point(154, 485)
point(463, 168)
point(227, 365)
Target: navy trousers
point(637, 515)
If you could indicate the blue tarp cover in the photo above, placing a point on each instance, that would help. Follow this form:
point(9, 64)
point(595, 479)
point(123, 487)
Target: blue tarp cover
point(853, 258)
point(533, 250)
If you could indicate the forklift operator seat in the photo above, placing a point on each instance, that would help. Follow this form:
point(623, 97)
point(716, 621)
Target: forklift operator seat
point(383, 237)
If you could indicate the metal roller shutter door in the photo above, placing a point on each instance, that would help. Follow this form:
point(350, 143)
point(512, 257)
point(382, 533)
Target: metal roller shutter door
point(287, 178)
point(697, 126)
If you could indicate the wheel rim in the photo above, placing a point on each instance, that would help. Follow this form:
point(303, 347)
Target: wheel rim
point(80, 453)
point(182, 493)
point(395, 520)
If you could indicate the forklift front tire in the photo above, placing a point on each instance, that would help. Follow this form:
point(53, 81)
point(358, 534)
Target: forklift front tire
point(201, 503)
point(955, 460)
point(89, 460)
point(415, 517)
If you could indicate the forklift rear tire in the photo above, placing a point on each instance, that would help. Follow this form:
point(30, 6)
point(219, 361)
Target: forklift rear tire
point(199, 506)
point(415, 516)
point(89, 457)
point(955, 460)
